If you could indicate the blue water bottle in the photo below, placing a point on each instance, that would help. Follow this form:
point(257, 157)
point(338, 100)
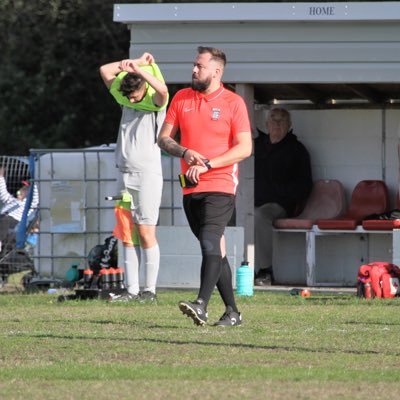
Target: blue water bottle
point(72, 275)
point(244, 280)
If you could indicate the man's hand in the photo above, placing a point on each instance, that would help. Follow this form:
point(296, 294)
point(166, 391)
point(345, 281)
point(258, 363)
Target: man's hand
point(145, 59)
point(129, 66)
point(194, 172)
point(192, 157)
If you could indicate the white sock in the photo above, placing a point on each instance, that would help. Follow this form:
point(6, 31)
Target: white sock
point(132, 263)
point(151, 261)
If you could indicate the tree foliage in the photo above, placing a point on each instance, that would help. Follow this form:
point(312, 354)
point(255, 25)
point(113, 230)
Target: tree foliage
point(51, 92)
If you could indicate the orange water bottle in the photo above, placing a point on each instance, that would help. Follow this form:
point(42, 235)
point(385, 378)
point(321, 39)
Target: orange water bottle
point(119, 272)
point(87, 278)
point(105, 278)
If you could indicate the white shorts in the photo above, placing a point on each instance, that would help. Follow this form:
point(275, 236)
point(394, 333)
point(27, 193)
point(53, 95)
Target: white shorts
point(146, 192)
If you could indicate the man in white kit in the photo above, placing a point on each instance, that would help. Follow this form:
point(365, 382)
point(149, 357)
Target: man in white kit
point(139, 87)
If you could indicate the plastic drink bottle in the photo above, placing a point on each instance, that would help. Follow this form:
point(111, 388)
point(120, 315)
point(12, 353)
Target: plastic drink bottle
point(244, 280)
point(87, 278)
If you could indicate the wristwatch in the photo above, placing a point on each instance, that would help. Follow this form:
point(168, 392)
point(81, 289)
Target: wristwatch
point(207, 163)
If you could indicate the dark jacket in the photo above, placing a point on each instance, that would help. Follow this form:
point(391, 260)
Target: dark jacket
point(282, 172)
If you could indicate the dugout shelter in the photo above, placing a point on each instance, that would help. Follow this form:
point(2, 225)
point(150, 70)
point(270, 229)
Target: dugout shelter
point(333, 64)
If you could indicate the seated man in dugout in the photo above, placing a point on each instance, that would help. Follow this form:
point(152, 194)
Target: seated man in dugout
point(283, 181)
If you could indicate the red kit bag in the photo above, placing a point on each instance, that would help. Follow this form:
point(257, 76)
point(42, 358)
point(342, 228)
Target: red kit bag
point(378, 279)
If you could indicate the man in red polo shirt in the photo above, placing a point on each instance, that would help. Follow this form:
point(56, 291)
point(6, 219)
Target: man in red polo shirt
point(215, 135)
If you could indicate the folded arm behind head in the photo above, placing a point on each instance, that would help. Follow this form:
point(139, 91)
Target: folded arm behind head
point(108, 73)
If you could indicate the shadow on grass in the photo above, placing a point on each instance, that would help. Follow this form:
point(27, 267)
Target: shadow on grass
point(372, 323)
point(243, 346)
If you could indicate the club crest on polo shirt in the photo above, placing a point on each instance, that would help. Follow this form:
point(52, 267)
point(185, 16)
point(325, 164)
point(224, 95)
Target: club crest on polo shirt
point(215, 114)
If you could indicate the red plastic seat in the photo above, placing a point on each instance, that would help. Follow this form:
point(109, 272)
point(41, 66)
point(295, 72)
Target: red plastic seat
point(381, 225)
point(327, 200)
point(368, 197)
point(385, 224)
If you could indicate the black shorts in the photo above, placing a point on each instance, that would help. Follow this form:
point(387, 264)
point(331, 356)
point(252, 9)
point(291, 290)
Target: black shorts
point(210, 211)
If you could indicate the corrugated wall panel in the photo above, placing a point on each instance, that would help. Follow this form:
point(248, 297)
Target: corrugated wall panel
point(271, 52)
point(266, 32)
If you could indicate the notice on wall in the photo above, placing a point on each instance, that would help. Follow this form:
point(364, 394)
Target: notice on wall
point(67, 208)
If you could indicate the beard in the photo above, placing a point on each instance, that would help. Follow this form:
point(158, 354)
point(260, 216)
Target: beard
point(201, 86)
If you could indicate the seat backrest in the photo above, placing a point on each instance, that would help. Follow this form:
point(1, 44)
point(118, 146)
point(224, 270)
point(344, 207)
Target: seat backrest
point(397, 200)
point(368, 197)
point(327, 200)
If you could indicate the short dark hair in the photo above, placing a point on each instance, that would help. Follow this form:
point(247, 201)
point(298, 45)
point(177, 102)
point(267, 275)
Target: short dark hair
point(216, 54)
point(131, 82)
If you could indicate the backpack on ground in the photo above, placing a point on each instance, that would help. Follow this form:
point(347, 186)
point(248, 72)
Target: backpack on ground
point(378, 279)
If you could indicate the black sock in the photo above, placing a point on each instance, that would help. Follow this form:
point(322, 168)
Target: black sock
point(225, 287)
point(210, 273)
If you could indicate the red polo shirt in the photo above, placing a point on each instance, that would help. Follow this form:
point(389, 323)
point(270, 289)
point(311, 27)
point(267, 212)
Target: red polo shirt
point(208, 124)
